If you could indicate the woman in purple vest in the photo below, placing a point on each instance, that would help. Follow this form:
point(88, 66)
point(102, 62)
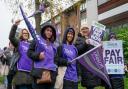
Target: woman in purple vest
point(66, 55)
point(22, 78)
point(43, 56)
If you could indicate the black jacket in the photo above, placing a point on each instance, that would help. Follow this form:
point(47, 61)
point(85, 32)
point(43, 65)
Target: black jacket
point(59, 60)
point(81, 45)
point(5, 58)
point(87, 78)
point(12, 37)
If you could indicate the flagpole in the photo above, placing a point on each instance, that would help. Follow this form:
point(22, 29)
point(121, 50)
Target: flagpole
point(85, 53)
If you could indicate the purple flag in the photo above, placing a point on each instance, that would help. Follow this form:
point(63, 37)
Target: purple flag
point(39, 11)
point(32, 30)
point(93, 62)
point(30, 27)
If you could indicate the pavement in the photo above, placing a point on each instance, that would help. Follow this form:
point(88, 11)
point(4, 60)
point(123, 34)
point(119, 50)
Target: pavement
point(2, 87)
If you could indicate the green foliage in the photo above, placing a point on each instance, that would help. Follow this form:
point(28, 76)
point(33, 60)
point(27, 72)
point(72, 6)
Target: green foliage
point(1, 79)
point(122, 34)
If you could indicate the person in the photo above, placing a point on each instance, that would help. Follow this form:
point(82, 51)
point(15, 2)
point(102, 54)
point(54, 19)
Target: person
point(5, 66)
point(66, 53)
point(22, 79)
point(43, 56)
point(88, 80)
point(7, 54)
point(10, 74)
point(117, 80)
point(126, 69)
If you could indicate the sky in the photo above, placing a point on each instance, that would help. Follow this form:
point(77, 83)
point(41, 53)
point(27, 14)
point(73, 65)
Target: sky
point(5, 25)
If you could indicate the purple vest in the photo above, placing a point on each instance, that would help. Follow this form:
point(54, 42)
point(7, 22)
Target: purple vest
point(24, 63)
point(48, 62)
point(69, 53)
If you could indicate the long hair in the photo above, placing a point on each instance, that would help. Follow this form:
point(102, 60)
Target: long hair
point(21, 34)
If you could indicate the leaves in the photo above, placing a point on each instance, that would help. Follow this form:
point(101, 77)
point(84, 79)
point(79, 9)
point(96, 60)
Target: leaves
point(122, 34)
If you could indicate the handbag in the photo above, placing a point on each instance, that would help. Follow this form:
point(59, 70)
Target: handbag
point(36, 73)
point(45, 78)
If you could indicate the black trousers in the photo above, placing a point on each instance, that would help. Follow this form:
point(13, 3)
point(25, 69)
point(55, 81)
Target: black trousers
point(10, 78)
point(70, 85)
point(117, 83)
point(43, 86)
point(23, 87)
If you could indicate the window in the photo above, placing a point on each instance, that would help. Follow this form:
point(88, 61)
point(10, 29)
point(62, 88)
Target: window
point(83, 6)
point(83, 18)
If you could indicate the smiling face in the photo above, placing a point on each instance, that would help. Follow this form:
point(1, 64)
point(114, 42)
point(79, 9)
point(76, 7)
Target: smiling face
point(48, 33)
point(70, 37)
point(25, 34)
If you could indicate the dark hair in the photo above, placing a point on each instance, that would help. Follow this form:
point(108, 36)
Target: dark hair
point(110, 36)
point(65, 35)
point(53, 38)
point(5, 48)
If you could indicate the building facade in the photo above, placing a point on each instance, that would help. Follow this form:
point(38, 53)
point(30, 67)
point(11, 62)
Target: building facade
point(112, 13)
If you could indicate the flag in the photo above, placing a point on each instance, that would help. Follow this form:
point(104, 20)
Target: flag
point(32, 30)
point(41, 9)
point(30, 27)
point(93, 62)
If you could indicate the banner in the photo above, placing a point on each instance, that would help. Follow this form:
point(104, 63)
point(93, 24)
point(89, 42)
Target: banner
point(113, 57)
point(93, 62)
point(96, 33)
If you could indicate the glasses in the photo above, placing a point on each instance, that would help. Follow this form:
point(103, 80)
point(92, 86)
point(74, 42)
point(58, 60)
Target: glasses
point(25, 33)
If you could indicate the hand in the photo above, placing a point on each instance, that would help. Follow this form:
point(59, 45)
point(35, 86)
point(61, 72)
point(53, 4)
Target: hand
point(69, 63)
point(41, 56)
point(17, 22)
point(87, 41)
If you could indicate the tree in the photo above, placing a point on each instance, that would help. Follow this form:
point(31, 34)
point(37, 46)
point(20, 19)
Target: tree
point(55, 6)
point(122, 35)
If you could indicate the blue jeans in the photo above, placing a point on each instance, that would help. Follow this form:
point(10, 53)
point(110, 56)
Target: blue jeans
point(5, 81)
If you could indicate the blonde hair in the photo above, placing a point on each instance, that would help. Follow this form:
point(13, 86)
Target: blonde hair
point(21, 34)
